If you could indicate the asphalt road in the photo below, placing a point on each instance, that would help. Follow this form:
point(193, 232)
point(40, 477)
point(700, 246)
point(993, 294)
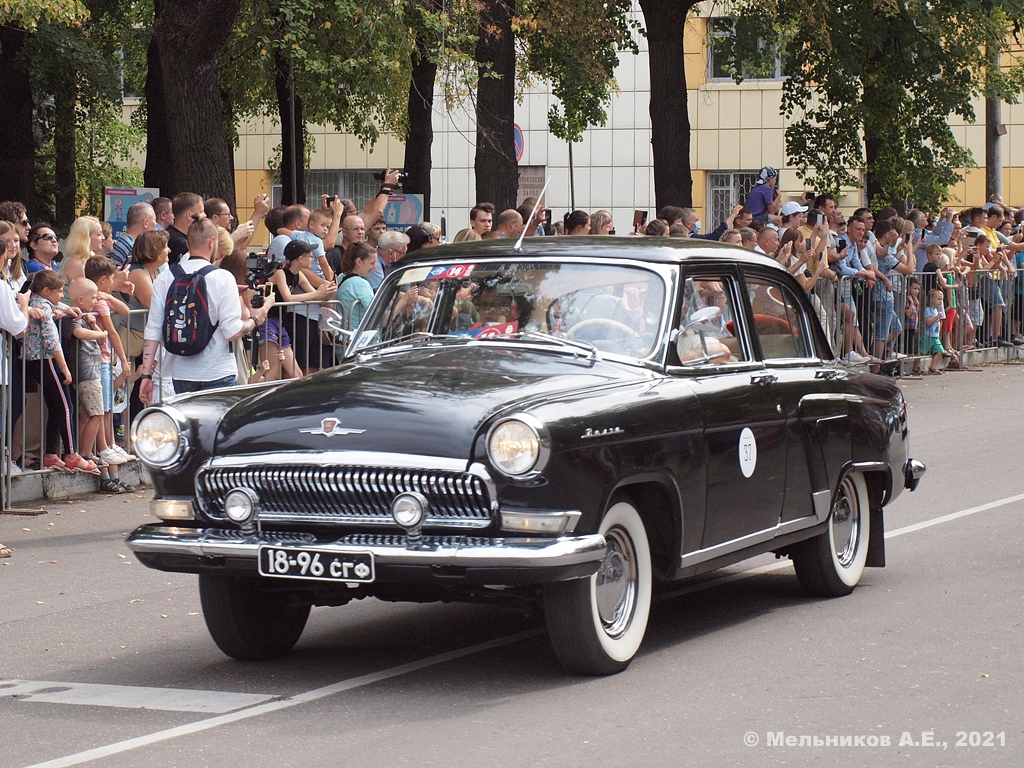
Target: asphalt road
point(920, 666)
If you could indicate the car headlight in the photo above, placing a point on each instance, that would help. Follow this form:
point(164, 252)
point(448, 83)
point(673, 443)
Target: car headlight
point(161, 437)
point(518, 446)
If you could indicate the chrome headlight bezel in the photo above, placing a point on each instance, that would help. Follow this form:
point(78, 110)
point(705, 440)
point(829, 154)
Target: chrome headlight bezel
point(182, 435)
point(541, 451)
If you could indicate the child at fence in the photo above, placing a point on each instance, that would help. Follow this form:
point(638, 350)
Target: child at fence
point(46, 366)
point(933, 315)
point(101, 270)
point(911, 317)
point(83, 340)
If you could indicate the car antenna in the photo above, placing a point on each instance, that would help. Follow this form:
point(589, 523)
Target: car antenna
point(519, 243)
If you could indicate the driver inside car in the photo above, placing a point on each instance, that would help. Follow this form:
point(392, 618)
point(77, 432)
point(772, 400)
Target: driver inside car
point(710, 338)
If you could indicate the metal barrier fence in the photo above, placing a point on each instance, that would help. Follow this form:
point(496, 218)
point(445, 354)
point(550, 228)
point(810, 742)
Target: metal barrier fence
point(981, 311)
point(300, 342)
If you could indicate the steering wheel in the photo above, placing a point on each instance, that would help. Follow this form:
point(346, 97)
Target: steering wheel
point(620, 329)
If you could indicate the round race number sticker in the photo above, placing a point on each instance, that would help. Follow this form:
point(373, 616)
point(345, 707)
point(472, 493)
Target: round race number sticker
point(748, 452)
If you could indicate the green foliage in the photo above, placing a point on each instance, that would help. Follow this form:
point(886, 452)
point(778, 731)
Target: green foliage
point(104, 149)
point(27, 14)
point(80, 66)
point(449, 32)
point(872, 85)
point(575, 46)
point(348, 61)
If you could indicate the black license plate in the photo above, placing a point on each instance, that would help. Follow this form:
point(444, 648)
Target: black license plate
point(317, 564)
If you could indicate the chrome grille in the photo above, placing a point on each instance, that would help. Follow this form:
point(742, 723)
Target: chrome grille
point(350, 495)
point(400, 540)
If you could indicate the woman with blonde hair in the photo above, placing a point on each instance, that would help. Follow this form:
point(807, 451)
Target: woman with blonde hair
point(225, 244)
point(601, 223)
point(85, 238)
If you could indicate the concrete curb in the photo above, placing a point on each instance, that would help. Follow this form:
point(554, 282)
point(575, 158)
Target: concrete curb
point(49, 484)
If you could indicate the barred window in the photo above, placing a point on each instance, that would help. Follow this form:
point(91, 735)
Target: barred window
point(356, 184)
point(726, 189)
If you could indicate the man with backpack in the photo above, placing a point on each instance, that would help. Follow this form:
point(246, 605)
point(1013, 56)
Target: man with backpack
point(195, 313)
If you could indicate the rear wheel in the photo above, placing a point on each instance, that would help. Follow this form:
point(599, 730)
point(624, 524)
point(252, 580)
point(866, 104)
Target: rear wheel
point(832, 563)
point(596, 624)
point(248, 621)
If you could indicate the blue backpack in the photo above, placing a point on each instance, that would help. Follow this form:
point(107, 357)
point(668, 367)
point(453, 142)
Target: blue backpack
point(187, 328)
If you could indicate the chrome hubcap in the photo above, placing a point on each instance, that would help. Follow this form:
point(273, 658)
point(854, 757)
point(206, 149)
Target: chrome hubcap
point(615, 584)
point(845, 526)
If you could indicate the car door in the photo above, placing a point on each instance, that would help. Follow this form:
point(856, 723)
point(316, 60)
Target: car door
point(744, 430)
point(817, 413)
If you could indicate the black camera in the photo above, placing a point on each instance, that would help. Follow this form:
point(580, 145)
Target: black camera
point(259, 268)
point(403, 177)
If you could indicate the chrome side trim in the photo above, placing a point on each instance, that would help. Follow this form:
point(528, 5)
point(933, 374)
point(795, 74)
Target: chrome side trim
point(758, 537)
point(820, 500)
point(339, 458)
point(460, 551)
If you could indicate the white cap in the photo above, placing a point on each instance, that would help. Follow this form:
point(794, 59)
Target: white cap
point(788, 209)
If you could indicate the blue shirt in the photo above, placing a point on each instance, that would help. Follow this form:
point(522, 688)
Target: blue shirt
point(122, 252)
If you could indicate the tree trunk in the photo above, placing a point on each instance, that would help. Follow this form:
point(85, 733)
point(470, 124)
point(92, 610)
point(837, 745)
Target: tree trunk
point(17, 150)
point(497, 175)
point(187, 144)
point(872, 186)
point(65, 197)
point(665, 21)
point(420, 140)
point(293, 139)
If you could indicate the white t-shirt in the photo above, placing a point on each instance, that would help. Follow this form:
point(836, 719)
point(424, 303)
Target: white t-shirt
point(11, 320)
point(217, 360)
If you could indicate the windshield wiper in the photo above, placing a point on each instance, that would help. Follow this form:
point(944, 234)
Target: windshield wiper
point(409, 337)
point(586, 346)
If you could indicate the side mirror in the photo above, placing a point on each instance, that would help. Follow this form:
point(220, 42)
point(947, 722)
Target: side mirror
point(703, 321)
point(332, 322)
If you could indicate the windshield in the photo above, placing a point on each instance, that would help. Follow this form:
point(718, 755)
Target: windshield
point(613, 307)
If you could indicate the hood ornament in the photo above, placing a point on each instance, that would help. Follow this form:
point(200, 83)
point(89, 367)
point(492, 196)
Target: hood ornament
point(332, 426)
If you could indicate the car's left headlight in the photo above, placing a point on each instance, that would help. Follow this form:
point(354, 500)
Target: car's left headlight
point(161, 437)
point(519, 446)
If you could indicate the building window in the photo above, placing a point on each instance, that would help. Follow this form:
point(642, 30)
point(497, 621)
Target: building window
point(356, 184)
point(720, 29)
point(726, 189)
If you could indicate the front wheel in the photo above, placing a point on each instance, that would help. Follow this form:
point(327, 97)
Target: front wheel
point(248, 621)
point(596, 624)
point(832, 563)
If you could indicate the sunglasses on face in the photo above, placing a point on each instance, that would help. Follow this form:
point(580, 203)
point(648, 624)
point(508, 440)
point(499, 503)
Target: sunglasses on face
point(52, 238)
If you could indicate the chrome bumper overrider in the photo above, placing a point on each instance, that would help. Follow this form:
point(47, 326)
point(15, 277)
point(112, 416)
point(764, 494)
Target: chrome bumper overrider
point(913, 471)
point(442, 551)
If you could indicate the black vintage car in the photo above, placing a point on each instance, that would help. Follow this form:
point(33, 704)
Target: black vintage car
point(569, 421)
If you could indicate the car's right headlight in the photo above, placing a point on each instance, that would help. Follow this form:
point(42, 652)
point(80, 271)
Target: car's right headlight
point(519, 446)
point(161, 437)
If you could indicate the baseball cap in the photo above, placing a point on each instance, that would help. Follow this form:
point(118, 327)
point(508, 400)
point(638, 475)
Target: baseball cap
point(788, 209)
point(297, 248)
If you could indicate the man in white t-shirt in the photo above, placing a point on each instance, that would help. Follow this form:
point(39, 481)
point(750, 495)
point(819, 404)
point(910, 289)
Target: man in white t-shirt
point(215, 366)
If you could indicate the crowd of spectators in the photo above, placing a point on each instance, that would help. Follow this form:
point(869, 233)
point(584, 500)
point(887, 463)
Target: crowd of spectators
point(885, 287)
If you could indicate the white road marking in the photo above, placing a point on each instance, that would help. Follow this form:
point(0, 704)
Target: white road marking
point(279, 704)
point(130, 696)
point(441, 658)
point(955, 515)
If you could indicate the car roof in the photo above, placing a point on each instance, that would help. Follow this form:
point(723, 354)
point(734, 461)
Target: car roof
point(657, 250)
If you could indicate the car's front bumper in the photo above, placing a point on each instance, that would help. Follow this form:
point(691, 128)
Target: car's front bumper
point(470, 559)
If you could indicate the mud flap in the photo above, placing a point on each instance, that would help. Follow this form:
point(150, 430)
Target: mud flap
point(876, 541)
